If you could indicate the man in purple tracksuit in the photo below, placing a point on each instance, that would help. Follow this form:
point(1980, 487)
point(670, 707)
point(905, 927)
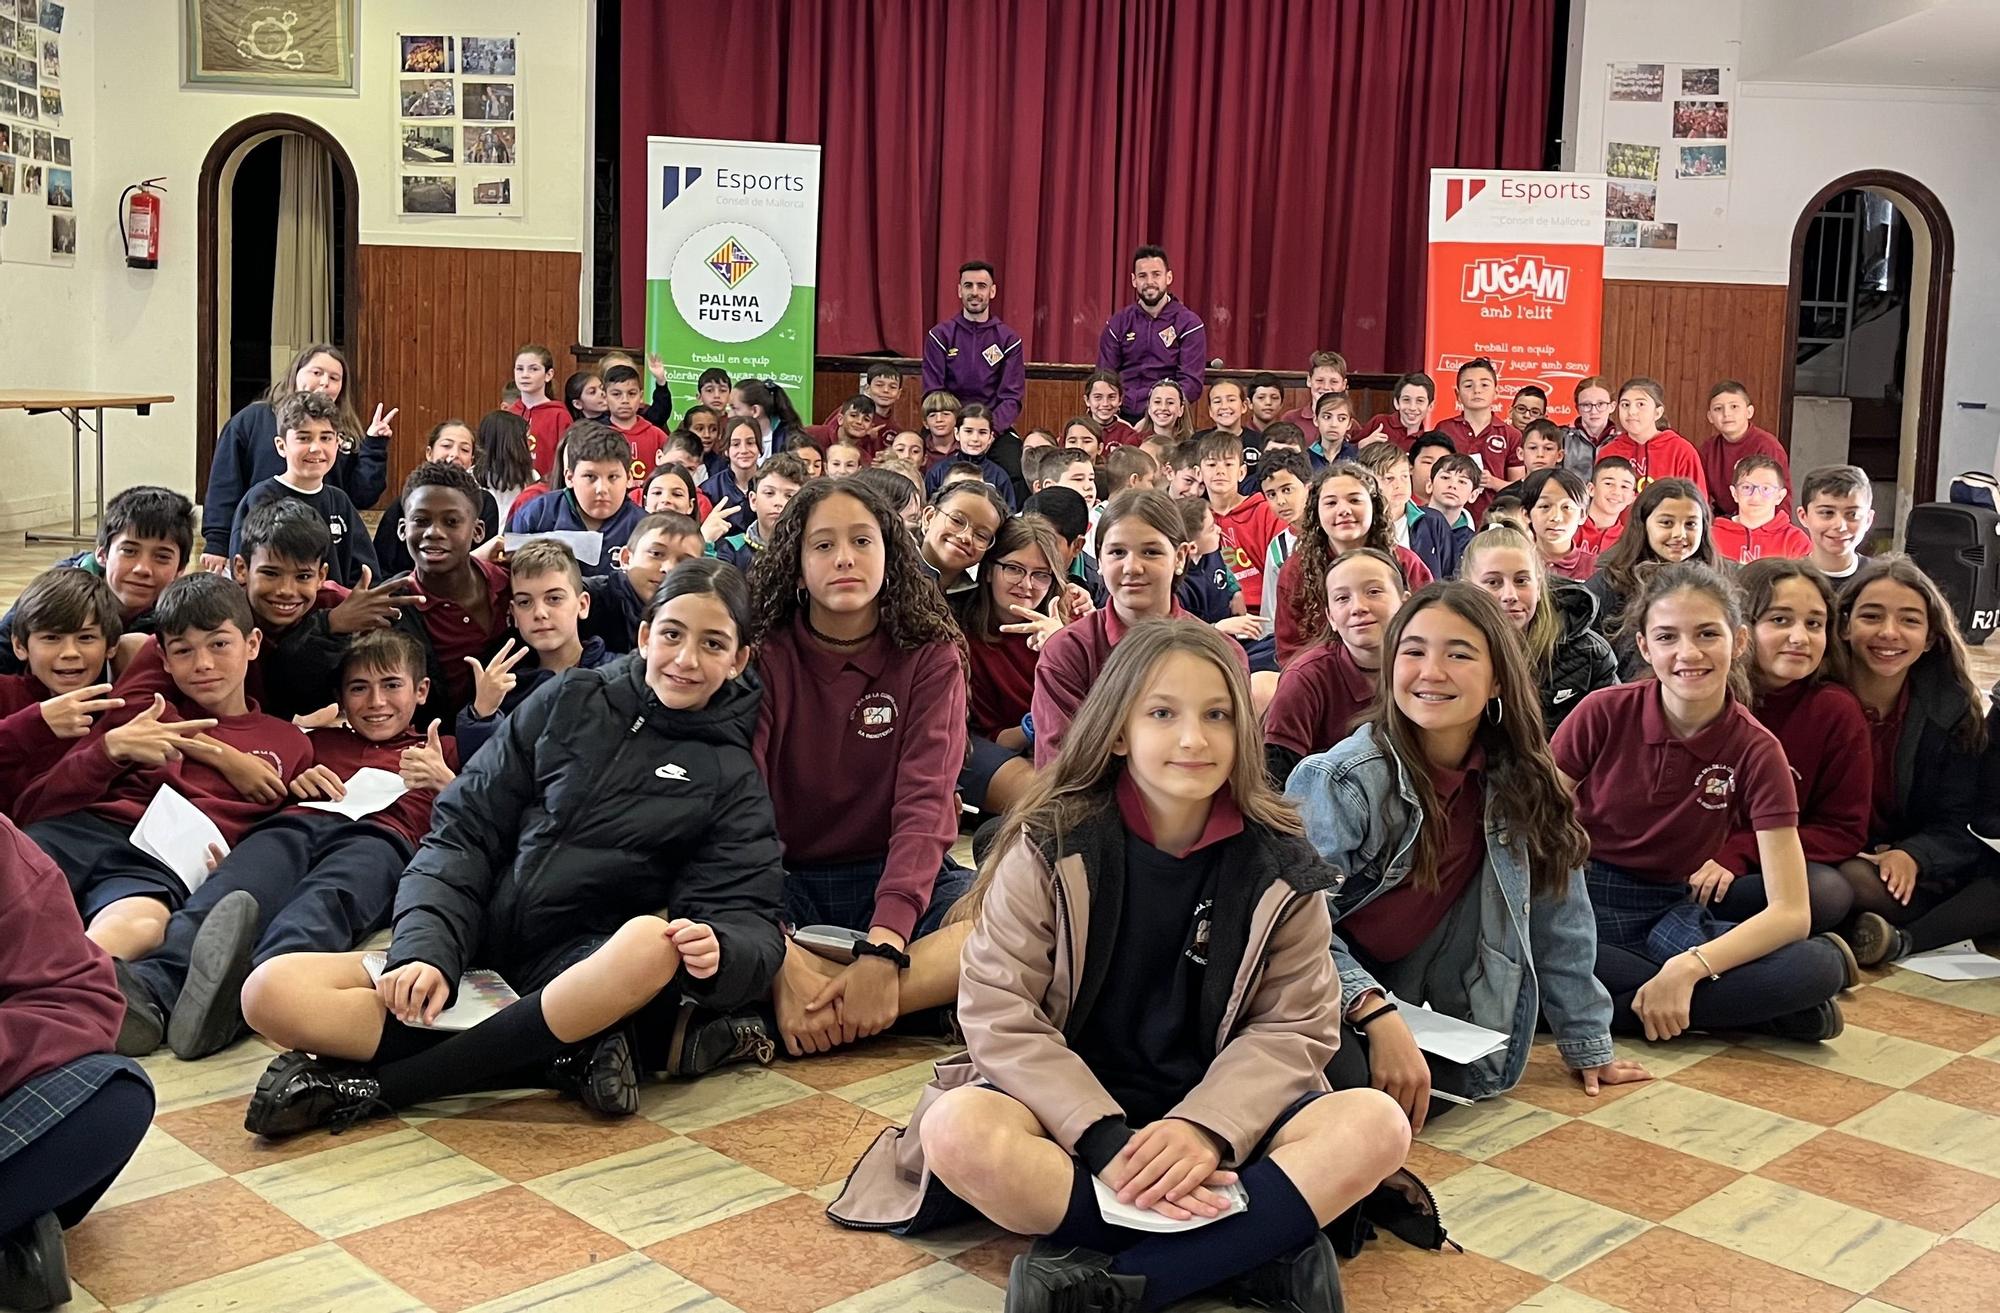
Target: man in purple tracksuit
point(1157, 337)
point(981, 361)
point(973, 355)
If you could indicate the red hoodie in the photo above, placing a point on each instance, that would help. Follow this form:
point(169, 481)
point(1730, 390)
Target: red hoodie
point(547, 422)
point(59, 997)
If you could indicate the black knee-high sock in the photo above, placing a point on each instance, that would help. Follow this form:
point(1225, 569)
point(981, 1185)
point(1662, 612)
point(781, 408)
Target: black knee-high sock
point(1083, 1225)
point(515, 1039)
point(1175, 1266)
point(1972, 912)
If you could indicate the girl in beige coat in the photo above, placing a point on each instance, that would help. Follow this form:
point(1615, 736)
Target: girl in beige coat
point(1149, 1004)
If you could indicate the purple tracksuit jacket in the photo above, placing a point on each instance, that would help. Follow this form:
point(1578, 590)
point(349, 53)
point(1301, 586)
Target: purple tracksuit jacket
point(1142, 349)
point(982, 363)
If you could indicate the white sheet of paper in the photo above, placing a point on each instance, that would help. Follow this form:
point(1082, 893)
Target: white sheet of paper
point(1145, 1219)
point(588, 546)
point(481, 994)
point(368, 791)
point(176, 832)
point(1448, 1037)
point(1959, 961)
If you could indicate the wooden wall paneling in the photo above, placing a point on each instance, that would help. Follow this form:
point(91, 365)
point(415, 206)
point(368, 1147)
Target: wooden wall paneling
point(438, 327)
point(1691, 336)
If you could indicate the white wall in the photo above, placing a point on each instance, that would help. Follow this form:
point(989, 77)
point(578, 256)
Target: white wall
point(129, 328)
point(45, 311)
point(1787, 140)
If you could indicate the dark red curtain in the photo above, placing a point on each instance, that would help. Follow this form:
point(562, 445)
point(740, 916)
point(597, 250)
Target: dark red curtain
point(1279, 149)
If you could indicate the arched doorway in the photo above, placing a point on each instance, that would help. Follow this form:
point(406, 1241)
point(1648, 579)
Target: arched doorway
point(1874, 242)
point(235, 265)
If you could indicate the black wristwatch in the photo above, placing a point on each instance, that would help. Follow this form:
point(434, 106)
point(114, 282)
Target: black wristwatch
point(868, 948)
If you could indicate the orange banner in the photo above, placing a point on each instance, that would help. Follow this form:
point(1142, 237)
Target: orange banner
point(1517, 276)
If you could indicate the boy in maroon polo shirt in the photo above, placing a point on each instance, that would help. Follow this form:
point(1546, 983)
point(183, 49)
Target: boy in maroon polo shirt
point(1101, 395)
point(1326, 371)
point(1155, 338)
point(184, 714)
point(855, 423)
point(1413, 394)
point(1735, 437)
point(66, 625)
point(623, 393)
point(1479, 433)
point(461, 610)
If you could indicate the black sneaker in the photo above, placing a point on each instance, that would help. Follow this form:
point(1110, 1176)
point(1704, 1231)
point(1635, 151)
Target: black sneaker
point(1875, 941)
point(299, 1092)
point(34, 1270)
point(1307, 1280)
point(1048, 1280)
point(143, 1027)
point(1811, 1025)
point(1850, 965)
point(208, 1015)
point(600, 1072)
point(704, 1041)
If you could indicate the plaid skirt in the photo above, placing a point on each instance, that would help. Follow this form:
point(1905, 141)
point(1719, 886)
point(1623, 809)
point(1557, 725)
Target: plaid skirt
point(30, 1111)
point(843, 894)
point(1647, 917)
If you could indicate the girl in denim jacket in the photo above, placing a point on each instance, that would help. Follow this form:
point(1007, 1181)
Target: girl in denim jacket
point(1463, 860)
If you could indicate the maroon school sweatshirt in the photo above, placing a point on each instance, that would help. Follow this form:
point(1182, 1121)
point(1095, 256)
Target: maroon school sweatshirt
point(344, 752)
point(87, 779)
point(861, 751)
point(1825, 738)
point(28, 747)
point(59, 997)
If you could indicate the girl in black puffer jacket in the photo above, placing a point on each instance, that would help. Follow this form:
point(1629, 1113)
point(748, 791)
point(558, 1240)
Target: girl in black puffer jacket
point(1570, 657)
point(611, 853)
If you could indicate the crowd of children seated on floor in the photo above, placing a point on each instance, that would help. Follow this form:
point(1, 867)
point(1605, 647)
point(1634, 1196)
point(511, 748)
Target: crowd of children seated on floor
point(1298, 720)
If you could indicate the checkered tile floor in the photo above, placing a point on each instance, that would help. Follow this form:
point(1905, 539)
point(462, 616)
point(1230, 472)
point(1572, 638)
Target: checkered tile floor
point(1860, 1175)
point(1864, 1175)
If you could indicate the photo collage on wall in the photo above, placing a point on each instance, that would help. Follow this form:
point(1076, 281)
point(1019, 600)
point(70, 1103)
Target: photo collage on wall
point(458, 123)
point(1666, 150)
point(37, 159)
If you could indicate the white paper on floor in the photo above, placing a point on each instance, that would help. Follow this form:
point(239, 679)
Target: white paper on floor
point(1959, 961)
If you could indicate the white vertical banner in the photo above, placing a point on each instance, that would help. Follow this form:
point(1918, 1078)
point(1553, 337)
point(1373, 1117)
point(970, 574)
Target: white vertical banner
point(732, 258)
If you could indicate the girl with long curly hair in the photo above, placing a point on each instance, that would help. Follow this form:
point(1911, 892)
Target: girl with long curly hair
point(861, 738)
point(1345, 509)
point(1448, 787)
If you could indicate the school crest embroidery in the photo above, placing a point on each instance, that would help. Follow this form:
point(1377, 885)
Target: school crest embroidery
point(874, 716)
point(1167, 335)
point(993, 355)
point(336, 527)
point(1713, 786)
point(269, 757)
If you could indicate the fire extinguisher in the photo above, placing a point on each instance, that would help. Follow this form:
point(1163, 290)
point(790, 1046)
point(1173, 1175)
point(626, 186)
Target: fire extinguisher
point(139, 221)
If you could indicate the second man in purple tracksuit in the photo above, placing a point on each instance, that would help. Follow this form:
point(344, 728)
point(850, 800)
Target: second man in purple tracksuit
point(1154, 338)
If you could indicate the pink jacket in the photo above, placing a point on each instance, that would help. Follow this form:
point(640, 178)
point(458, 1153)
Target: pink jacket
point(1019, 974)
